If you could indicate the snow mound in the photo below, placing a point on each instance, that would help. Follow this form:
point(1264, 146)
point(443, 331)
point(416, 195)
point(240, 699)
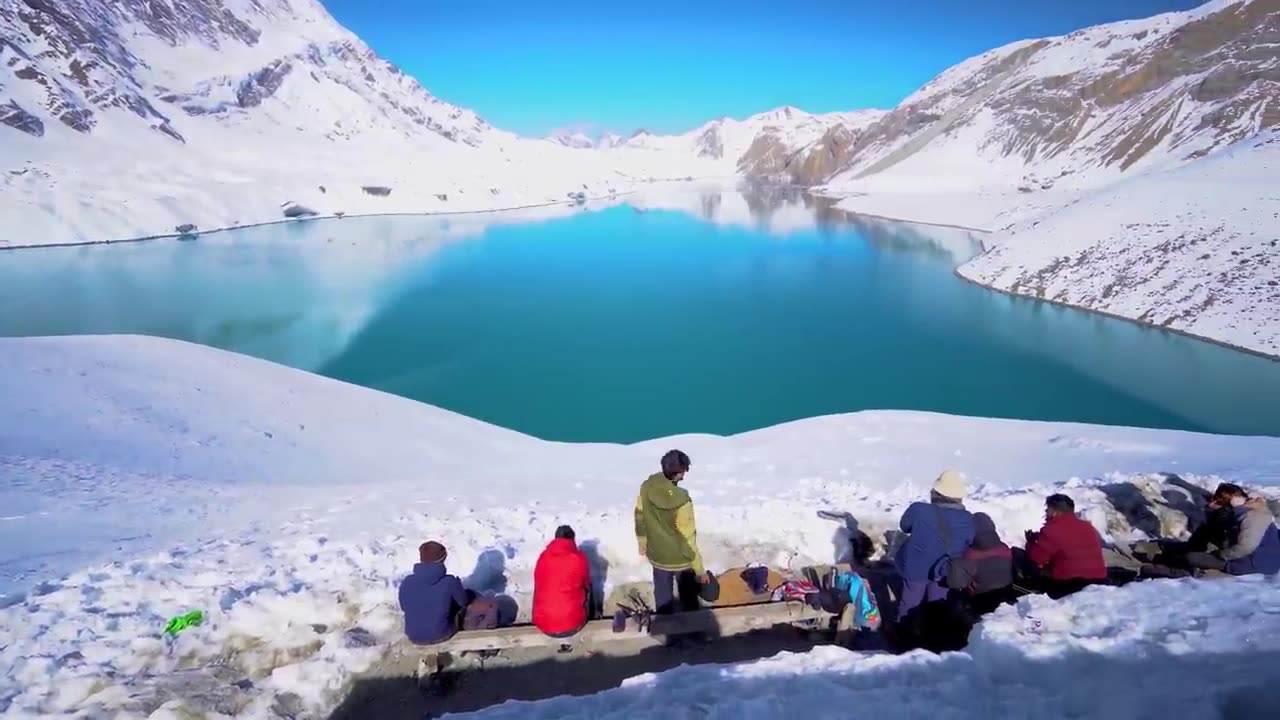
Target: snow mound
point(144, 478)
point(1209, 652)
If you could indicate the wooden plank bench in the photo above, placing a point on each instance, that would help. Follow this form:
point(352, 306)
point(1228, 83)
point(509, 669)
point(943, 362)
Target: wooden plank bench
point(715, 622)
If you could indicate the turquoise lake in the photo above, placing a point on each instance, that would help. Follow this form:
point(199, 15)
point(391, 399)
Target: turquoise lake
point(693, 311)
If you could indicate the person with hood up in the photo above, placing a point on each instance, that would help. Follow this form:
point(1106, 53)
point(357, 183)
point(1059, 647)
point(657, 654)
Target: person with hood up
point(1253, 545)
point(561, 586)
point(985, 573)
point(940, 530)
point(666, 535)
point(432, 599)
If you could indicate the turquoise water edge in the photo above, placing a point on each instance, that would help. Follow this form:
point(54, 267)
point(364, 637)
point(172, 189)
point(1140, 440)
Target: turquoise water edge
point(714, 311)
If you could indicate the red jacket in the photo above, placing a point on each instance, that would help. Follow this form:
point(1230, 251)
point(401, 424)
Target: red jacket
point(560, 584)
point(1068, 548)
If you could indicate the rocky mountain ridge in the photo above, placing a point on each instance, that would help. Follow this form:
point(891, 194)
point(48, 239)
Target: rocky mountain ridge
point(1100, 101)
point(73, 61)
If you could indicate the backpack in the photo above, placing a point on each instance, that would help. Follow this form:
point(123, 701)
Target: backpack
point(481, 614)
point(795, 590)
point(942, 568)
point(830, 597)
point(709, 591)
point(857, 592)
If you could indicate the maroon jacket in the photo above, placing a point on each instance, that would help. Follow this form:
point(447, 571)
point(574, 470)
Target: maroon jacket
point(1068, 548)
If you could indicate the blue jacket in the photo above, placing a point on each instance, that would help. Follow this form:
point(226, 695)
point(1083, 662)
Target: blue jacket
point(431, 600)
point(866, 610)
point(919, 557)
point(1256, 545)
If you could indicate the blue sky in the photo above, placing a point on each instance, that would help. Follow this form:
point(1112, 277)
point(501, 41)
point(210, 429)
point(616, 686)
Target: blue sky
point(533, 67)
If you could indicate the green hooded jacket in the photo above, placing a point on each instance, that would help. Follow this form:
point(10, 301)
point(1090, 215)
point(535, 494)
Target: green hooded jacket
point(664, 526)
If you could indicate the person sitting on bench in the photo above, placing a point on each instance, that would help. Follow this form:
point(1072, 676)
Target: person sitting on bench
point(1065, 556)
point(432, 600)
point(561, 587)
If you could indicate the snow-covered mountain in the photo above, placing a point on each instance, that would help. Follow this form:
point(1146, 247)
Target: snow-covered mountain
point(762, 145)
point(609, 140)
point(87, 63)
point(1083, 108)
point(573, 140)
point(1127, 168)
point(129, 118)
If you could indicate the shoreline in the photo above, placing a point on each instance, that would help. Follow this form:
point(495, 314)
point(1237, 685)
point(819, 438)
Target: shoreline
point(836, 199)
point(1274, 357)
point(1135, 321)
point(310, 218)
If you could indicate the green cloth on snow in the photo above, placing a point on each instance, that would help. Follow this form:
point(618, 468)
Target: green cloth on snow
point(181, 622)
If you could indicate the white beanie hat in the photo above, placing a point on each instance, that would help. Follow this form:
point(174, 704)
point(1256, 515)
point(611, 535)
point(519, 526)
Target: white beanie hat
point(950, 484)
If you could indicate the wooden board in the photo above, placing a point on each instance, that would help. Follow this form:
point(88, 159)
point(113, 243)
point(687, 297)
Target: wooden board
point(716, 622)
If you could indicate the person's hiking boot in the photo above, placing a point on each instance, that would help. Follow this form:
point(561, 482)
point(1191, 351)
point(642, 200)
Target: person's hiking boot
point(564, 648)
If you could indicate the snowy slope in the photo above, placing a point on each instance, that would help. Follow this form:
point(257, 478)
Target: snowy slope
point(1194, 249)
point(1086, 108)
point(1125, 168)
point(122, 119)
point(146, 477)
point(1208, 653)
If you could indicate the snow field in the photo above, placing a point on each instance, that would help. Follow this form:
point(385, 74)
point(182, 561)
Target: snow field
point(308, 497)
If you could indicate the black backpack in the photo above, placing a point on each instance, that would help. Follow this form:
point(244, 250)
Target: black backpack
point(829, 597)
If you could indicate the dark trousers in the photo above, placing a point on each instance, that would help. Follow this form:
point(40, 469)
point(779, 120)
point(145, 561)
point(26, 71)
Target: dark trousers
point(1030, 577)
point(1206, 561)
point(916, 593)
point(675, 591)
point(987, 602)
point(1177, 560)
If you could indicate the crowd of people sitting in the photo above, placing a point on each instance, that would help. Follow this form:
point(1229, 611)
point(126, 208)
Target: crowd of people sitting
point(951, 568)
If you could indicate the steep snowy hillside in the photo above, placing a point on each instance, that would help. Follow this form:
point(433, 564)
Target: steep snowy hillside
point(1084, 108)
point(129, 118)
point(1195, 248)
point(1126, 168)
point(147, 477)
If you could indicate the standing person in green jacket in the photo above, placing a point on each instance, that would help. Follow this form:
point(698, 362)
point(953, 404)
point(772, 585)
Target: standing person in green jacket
point(668, 538)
